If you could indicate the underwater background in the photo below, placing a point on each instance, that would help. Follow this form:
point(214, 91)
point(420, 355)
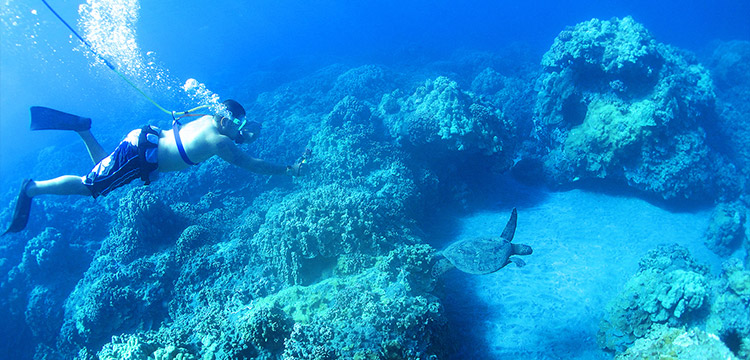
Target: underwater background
point(620, 131)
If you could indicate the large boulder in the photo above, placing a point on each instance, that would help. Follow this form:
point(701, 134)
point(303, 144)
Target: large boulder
point(615, 104)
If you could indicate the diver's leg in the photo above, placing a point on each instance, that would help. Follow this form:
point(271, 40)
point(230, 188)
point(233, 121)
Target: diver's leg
point(63, 185)
point(96, 151)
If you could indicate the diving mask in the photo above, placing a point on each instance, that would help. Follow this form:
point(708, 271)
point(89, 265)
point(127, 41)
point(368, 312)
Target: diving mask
point(248, 130)
point(240, 123)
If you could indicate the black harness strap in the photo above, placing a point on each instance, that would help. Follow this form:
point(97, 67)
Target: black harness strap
point(143, 145)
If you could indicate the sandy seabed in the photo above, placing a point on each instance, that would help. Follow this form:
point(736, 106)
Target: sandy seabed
point(586, 246)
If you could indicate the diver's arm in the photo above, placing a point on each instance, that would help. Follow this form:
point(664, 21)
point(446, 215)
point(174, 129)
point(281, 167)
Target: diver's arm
point(231, 153)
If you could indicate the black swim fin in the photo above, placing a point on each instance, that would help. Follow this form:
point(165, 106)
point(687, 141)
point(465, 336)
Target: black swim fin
point(43, 118)
point(21, 213)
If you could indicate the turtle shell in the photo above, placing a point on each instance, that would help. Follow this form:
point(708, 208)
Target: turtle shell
point(479, 255)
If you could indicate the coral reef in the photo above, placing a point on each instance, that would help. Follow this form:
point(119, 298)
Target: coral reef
point(440, 117)
point(358, 201)
point(665, 342)
point(359, 316)
point(43, 254)
point(310, 342)
point(454, 140)
point(217, 263)
point(143, 223)
point(40, 267)
point(670, 288)
point(726, 232)
point(44, 315)
point(124, 287)
point(135, 348)
point(367, 83)
point(112, 298)
point(326, 268)
point(266, 327)
point(613, 103)
point(347, 145)
point(35, 289)
point(730, 65)
point(304, 227)
point(730, 309)
point(513, 95)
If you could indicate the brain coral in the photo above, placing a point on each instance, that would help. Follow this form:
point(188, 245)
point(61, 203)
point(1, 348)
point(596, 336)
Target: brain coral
point(669, 288)
point(614, 103)
point(440, 117)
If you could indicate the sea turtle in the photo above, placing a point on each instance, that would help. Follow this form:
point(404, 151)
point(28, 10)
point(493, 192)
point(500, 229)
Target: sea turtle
point(483, 255)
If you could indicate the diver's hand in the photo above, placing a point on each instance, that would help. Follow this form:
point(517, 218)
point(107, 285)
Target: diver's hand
point(294, 170)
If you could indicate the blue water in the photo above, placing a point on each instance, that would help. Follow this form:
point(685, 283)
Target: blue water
point(222, 44)
point(587, 239)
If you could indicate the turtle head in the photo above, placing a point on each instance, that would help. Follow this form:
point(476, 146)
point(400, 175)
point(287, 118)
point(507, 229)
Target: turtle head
point(521, 249)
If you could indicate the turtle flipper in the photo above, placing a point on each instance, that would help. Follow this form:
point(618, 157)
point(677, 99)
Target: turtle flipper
point(517, 261)
point(510, 227)
point(441, 267)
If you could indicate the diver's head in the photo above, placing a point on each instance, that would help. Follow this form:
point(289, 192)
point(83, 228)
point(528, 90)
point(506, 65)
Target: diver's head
point(234, 108)
point(236, 126)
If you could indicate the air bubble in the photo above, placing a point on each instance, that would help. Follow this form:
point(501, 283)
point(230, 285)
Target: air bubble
point(109, 26)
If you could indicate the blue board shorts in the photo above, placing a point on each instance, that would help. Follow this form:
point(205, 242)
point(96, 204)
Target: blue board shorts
point(122, 166)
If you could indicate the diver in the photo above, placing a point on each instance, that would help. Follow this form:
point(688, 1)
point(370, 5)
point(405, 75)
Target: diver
point(145, 152)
